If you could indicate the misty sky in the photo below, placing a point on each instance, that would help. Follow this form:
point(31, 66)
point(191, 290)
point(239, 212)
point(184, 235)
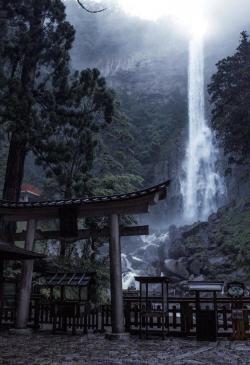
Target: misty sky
point(119, 35)
point(220, 15)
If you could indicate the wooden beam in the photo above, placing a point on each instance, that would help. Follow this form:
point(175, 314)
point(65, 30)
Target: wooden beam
point(134, 231)
point(124, 204)
point(86, 233)
point(138, 205)
point(47, 214)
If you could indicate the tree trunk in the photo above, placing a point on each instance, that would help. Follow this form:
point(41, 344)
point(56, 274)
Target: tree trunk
point(18, 145)
point(14, 169)
point(12, 183)
point(64, 243)
point(3, 32)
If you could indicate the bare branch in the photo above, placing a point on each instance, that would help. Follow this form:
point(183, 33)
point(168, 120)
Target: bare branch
point(88, 10)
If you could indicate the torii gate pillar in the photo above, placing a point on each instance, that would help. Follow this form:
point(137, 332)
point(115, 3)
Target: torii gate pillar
point(116, 277)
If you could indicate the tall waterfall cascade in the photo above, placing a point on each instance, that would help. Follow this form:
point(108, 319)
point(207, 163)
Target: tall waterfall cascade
point(201, 185)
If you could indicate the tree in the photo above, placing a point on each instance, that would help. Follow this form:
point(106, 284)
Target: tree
point(230, 95)
point(83, 106)
point(117, 169)
point(3, 32)
point(35, 52)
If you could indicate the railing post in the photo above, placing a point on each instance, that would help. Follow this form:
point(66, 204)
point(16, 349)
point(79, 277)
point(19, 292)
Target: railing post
point(36, 314)
point(127, 315)
point(102, 319)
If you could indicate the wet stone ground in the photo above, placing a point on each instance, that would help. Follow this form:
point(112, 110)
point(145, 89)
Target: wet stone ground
point(48, 349)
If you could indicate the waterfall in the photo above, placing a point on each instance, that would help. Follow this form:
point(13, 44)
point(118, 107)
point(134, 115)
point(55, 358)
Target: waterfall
point(201, 185)
point(139, 261)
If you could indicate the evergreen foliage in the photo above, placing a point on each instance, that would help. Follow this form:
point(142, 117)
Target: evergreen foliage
point(230, 95)
point(36, 51)
point(83, 105)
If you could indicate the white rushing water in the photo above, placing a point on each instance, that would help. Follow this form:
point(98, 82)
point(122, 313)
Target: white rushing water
point(138, 262)
point(201, 185)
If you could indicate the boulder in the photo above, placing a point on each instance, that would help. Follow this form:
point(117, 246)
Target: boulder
point(174, 233)
point(195, 229)
point(195, 266)
point(213, 218)
point(217, 260)
point(198, 278)
point(176, 268)
point(176, 249)
point(148, 254)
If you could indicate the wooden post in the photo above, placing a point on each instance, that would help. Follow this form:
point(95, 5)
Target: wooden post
point(197, 316)
point(26, 280)
point(36, 315)
point(167, 311)
point(116, 276)
point(140, 309)
point(215, 312)
point(62, 293)
point(1, 289)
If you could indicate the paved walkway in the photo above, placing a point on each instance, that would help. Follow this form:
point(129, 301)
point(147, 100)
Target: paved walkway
point(48, 349)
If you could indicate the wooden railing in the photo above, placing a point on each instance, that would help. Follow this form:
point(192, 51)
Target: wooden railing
point(70, 314)
point(179, 319)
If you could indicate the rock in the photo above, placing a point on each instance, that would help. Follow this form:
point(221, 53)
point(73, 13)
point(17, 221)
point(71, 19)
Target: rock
point(176, 268)
point(193, 230)
point(217, 260)
point(195, 266)
point(174, 233)
point(176, 250)
point(199, 278)
point(213, 218)
point(184, 261)
point(150, 254)
point(239, 274)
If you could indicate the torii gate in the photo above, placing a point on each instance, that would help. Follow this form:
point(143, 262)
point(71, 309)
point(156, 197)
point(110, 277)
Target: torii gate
point(68, 212)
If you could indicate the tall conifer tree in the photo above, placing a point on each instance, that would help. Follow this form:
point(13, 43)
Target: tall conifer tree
point(35, 52)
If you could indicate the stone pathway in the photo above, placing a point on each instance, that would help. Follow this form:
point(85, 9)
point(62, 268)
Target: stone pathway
point(48, 349)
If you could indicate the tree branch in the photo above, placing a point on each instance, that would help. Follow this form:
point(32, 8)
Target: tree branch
point(88, 10)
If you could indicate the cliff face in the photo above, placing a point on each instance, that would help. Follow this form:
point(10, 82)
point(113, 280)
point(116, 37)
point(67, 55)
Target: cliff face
point(153, 96)
point(218, 249)
point(146, 63)
point(238, 182)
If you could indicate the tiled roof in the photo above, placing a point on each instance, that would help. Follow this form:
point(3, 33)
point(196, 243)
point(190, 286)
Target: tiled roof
point(88, 200)
point(31, 189)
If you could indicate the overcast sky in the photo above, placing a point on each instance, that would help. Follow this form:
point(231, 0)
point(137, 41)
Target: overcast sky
point(219, 14)
point(225, 20)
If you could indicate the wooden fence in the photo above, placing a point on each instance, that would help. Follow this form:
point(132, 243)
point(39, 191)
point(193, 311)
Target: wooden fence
point(179, 319)
point(180, 316)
